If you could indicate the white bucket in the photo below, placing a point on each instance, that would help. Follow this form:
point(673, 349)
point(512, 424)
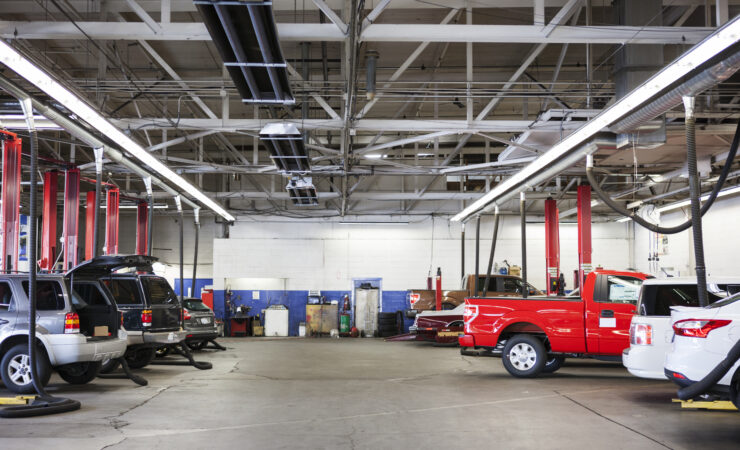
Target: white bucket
point(302, 329)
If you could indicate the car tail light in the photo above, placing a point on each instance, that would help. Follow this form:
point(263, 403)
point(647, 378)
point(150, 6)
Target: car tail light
point(698, 328)
point(120, 314)
point(146, 317)
point(469, 313)
point(71, 323)
point(641, 334)
point(186, 314)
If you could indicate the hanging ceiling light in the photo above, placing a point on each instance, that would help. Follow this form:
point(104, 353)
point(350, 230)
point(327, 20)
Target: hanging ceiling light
point(26, 69)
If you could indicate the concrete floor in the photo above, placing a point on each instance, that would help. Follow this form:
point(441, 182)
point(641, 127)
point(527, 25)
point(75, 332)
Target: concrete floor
point(362, 393)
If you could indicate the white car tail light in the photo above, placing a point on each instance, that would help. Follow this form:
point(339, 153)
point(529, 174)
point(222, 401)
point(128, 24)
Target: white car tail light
point(469, 313)
point(641, 334)
point(698, 328)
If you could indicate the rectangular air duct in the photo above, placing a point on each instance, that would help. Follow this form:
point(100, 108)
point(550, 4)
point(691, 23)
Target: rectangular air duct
point(246, 37)
point(285, 144)
point(302, 191)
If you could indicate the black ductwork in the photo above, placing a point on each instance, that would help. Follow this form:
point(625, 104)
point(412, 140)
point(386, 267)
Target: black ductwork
point(285, 144)
point(246, 38)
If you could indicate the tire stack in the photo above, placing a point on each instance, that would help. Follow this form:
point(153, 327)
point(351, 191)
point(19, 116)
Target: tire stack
point(390, 323)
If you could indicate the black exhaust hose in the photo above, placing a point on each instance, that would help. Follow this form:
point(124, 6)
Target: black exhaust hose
point(604, 197)
point(695, 194)
point(195, 260)
point(712, 377)
point(490, 256)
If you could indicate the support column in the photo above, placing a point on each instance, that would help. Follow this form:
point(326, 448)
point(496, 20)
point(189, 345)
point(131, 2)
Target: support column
point(552, 246)
point(477, 256)
point(71, 220)
point(462, 251)
point(11, 199)
point(49, 221)
point(142, 221)
point(111, 221)
point(523, 217)
point(584, 233)
point(90, 225)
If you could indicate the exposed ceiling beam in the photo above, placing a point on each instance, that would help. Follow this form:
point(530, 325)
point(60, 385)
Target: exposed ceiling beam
point(511, 34)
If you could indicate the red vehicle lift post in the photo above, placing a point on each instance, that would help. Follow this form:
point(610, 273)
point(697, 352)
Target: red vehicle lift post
point(111, 221)
point(71, 225)
point(89, 224)
point(142, 213)
point(584, 233)
point(552, 246)
point(49, 221)
point(11, 198)
point(438, 291)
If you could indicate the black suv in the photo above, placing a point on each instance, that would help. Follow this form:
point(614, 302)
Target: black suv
point(152, 314)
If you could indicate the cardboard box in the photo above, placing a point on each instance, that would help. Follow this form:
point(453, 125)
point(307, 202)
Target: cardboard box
point(258, 330)
point(101, 331)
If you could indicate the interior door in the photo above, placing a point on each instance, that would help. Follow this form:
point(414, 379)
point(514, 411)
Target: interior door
point(615, 304)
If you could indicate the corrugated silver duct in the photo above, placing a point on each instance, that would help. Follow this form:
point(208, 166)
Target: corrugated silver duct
point(701, 82)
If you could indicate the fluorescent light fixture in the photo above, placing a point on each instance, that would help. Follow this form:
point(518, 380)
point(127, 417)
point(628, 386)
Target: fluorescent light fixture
point(25, 68)
point(373, 223)
point(704, 198)
point(374, 156)
point(624, 219)
point(707, 49)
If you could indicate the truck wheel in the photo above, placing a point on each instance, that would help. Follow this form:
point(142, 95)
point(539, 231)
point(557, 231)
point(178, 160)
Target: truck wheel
point(15, 369)
point(80, 373)
point(553, 364)
point(140, 358)
point(524, 356)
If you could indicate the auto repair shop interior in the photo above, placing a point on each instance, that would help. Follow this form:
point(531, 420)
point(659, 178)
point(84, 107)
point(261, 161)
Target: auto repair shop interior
point(369, 224)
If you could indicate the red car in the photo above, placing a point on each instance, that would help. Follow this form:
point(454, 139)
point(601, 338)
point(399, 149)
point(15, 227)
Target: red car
point(535, 334)
point(442, 327)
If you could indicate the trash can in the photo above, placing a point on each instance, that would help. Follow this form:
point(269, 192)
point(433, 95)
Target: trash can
point(344, 324)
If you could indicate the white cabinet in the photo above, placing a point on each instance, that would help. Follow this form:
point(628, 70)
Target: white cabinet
point(276, 321)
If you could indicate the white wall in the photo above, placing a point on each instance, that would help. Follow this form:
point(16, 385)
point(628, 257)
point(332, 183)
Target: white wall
point(327, 255)
point(721, 241)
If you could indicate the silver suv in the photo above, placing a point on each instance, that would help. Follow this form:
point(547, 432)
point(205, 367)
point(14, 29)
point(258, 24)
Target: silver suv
point(75, 332)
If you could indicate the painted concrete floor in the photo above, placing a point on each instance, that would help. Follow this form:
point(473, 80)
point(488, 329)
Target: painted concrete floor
point(365, 393)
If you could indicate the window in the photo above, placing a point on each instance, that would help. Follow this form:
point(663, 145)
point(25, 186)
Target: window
point(49, 295)
point(88, 294)
point(512, 285)
point(195, 305)
point(124, 291)
point(6, 296)
point(622, 289)
point(159, 291)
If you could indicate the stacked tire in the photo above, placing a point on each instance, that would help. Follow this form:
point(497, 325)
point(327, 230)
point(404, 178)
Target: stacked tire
point(390, 324)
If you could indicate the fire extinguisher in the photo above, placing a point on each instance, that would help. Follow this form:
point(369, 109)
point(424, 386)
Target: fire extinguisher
point(346, 305)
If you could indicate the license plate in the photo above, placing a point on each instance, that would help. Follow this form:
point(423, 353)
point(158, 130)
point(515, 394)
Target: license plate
point(448, 333)
point(205, 320)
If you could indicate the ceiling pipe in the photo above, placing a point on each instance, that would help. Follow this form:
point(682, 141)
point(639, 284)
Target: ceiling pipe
point(86, 136)
point(695, 85)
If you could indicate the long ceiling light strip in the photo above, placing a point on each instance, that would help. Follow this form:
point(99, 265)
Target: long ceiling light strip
point(711, 46)
point(26, 69)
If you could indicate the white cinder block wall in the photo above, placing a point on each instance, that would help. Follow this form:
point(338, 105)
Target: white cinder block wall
point(721, 241)
point(327, 255)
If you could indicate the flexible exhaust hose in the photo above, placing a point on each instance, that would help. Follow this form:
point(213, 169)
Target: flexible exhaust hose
point(694, 194)
point(712, 377)
point(493, 250)
point(604, 197)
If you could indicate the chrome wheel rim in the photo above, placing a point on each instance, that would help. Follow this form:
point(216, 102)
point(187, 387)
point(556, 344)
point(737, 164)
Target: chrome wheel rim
point(523, 356)
point(19, 370)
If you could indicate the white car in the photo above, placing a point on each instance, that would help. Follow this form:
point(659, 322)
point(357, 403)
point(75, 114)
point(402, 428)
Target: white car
point(703, 339)
point(651, 333)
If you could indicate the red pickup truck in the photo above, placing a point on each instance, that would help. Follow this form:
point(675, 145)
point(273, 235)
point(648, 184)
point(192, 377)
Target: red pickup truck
point(535, 334)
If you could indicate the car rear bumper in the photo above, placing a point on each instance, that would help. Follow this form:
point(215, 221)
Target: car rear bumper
point(196, 334)
point(73, 348)
point(466, 340)
point(645, 361)
point(154, 338)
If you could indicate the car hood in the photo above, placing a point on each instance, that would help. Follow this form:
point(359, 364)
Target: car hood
point(101, 266)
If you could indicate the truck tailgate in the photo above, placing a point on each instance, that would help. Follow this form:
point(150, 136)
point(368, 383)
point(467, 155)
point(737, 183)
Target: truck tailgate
point(165, 318)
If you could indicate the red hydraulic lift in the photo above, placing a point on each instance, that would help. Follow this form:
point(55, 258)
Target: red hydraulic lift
point(111, 221)
point(89, 224)
point(70, 230)
point(49, 221)
point(584, 233)
point(11, 200)
point(552, 246)
point(142, 215)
